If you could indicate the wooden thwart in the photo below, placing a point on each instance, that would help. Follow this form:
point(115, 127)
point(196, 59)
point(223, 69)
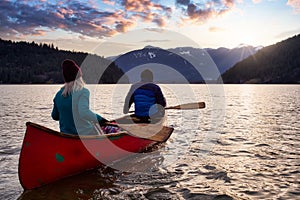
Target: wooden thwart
point(152, 131)
point(155, 132)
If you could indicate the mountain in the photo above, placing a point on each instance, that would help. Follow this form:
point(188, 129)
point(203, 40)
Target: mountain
point(168, 66)
point(181, 64)
point(278, 63)
point(225, 58)
point(23, 62)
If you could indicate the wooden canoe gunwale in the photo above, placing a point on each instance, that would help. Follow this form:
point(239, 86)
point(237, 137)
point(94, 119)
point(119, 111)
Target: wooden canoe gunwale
point(86, 137)
point(65, 135)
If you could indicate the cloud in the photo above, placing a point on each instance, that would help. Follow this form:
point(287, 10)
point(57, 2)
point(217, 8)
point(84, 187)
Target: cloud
point(289, 33)
point(256, 1)
point(20, 18)
point(143, 6)
point(183, 2)
point(39, 32)
point(155, 41)
point(23, 18)
point(295, 4)
point(109, 2)
point(86, 18)
point(201, 12)
point(147, 11)
point(215, 29)
point(161, 22)
point(123, 26)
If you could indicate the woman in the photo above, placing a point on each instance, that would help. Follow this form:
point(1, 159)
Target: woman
point(71, 103)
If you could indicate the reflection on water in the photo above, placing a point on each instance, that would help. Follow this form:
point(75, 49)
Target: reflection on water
point(254, 154)
point(97, 183)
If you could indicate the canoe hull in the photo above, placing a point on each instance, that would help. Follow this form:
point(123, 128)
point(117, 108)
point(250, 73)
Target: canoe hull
point(47, 155)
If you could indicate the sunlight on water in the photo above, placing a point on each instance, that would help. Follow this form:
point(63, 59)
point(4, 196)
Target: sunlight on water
point(252, 154)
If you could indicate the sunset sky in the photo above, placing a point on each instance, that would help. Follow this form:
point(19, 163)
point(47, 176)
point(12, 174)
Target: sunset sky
point(83, 25)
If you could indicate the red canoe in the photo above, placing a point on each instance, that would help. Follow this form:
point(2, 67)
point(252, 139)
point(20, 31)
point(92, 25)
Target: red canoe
point(48, 155)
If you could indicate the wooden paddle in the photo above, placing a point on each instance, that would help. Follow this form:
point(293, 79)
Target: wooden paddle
point(187, 106)
point(155, 132)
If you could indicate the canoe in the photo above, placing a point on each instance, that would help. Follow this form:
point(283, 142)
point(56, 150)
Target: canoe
point(47, 155)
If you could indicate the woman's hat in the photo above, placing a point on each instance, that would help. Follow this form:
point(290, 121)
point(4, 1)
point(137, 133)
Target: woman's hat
point(71, 70)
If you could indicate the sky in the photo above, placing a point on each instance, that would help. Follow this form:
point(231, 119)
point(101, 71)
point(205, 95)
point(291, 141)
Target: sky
point(123, 25)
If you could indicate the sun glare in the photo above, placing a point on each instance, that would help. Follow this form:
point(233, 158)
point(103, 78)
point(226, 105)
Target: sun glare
point(246, 38)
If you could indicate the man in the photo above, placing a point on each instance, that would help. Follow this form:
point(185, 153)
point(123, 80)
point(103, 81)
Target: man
point(148, 99)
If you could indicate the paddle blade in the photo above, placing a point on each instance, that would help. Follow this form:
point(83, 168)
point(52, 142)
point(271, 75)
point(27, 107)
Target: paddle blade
point(188, 106)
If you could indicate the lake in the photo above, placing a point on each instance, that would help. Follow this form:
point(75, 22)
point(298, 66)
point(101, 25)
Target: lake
point(244, 145)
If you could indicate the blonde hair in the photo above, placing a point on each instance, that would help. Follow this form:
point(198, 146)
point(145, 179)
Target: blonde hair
point(73, 86)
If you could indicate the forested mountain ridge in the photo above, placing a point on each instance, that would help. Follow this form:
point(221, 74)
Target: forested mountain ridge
point(278, 63)
point(23, 62)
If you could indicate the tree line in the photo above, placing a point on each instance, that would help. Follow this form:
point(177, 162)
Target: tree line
point(278, 63)
point(32, 63)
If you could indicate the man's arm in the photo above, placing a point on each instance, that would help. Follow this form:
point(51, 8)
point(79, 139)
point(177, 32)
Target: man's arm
point(128, 101)
point(160, 99)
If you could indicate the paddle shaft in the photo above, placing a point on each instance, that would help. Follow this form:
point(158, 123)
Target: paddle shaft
point(187, 106)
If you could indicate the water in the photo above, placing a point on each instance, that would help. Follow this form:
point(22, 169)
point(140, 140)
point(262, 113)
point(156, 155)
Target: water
point(250, 152)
